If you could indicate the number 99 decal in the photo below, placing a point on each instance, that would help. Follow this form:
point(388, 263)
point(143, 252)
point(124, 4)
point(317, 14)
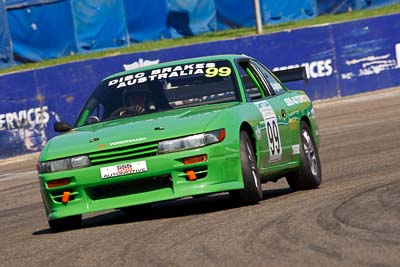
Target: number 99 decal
point(272, 129)
point(223, 72)
point(274, 141)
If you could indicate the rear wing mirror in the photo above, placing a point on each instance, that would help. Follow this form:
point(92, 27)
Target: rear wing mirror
point(291, 75)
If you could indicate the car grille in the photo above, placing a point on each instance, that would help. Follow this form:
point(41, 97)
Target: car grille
point(124, 153)
point(130, 187)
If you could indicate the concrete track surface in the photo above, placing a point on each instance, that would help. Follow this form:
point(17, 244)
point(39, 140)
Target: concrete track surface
point(353, 219)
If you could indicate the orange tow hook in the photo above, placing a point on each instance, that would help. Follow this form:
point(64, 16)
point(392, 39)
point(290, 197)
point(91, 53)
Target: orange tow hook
point(191, 175)
point(65, 197)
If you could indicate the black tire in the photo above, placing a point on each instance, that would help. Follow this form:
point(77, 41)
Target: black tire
point(67, 223)
point(309, 175)
point(252, 191)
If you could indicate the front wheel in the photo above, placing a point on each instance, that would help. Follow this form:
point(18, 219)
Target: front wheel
point(308, 176)
point(252, 191)
point(67, 223)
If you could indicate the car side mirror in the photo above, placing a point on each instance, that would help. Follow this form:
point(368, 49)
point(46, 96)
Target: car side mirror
point(62, 127)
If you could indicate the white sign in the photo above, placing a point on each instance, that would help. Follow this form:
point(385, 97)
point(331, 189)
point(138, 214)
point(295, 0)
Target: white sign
point(123, 169)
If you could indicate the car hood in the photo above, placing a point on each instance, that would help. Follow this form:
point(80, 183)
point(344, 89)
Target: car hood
point(133, 130)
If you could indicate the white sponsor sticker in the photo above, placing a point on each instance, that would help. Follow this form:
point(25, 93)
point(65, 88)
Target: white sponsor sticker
point(271, 126)
point(296, 149)
point(258, 132)
point(123, 169)
point(133, 140)
point(289, 102)
point(298, 99)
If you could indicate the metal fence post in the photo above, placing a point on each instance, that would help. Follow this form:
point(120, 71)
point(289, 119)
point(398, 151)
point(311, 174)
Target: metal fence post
point(257, 13)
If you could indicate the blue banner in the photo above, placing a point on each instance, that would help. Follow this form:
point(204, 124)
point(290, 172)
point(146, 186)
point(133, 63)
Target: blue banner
point(340, 59)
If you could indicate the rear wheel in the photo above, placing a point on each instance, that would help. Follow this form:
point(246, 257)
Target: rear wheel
point(252, 191)
point(66, 223)
point(308, 176)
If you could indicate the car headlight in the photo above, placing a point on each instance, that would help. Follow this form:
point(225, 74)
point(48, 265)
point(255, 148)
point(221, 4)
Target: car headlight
point(64, 164)
point(192, 141)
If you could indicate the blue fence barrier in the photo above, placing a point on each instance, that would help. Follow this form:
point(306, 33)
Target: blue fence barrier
point(45, 29)
point(340, 59)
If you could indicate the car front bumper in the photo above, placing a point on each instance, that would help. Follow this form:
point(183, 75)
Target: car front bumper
point(166, 178)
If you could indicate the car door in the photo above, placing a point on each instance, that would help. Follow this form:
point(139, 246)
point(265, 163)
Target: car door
point(289, 110)
point(274, 123)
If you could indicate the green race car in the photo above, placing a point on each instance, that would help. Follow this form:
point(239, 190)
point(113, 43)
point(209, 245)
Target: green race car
point(183, 128)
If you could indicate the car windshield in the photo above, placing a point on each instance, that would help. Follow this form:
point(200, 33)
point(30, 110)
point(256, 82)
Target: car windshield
point(160, 89)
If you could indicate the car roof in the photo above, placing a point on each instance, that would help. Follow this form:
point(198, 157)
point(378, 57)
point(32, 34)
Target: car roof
point(229, 57)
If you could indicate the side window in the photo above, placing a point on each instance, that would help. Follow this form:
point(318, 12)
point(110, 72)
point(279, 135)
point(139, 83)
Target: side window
point(250, 83)
point(272, 82)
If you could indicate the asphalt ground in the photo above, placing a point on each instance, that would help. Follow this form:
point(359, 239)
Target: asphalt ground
point(353, 219)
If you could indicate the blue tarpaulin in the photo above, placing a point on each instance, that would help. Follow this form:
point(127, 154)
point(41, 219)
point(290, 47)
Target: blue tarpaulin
point(25, 3)
point(288, 10)
point(334, 7)
point(42, 31)
point(234, 14)
point(146, 20)
point(186, 18)
point(6, 58)
point(99, 24)
point(240, 13)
